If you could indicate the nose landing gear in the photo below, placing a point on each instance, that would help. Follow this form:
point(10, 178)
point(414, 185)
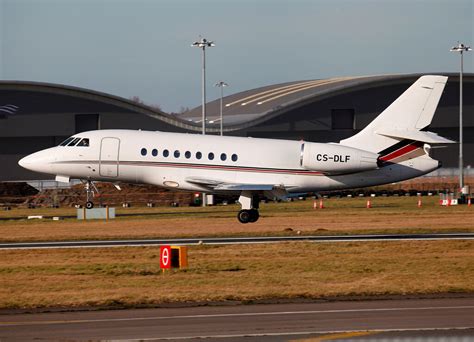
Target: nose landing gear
point(249, 202)
point(91, 189)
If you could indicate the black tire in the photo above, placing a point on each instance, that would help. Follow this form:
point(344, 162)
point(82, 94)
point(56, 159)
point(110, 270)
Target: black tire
point(254, 215)
point(244, 216)
point(89, 205)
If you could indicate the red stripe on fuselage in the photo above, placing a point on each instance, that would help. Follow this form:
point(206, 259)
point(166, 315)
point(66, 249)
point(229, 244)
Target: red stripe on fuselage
point(223, 167)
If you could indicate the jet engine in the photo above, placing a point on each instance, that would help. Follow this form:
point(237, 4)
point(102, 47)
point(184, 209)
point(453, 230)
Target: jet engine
point(336, 158)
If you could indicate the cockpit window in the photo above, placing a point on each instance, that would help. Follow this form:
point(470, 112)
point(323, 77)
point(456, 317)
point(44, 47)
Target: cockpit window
point(74, 142)
point(84, 142)
point(67, 141)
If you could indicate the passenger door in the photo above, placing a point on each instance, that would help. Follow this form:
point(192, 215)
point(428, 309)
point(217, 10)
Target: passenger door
point(109, 157)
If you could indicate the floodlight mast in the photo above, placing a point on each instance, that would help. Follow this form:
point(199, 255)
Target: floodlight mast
point(202, 44)
point(461, 48)
point(221, 84)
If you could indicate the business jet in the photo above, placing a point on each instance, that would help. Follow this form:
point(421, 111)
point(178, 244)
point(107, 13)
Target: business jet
point(392, 148)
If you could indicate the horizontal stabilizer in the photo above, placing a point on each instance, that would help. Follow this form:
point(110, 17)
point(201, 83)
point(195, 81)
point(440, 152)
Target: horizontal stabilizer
point(426, 137)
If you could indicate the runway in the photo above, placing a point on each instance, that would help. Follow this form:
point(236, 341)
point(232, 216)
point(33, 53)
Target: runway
point(231, 241)
point(272, 322)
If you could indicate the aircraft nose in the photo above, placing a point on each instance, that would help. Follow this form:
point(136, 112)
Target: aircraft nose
point(40, 161)
point(24, 162)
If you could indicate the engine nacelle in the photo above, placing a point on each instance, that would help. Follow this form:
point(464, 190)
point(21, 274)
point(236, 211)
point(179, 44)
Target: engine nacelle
point(337, 159)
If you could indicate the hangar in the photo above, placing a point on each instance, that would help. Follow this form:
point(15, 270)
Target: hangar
point(36, 115)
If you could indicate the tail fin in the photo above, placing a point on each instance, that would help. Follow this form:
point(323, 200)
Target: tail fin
point(404, 118)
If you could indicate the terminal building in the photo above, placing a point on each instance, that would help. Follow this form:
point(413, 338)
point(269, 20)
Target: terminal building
point(35, 116)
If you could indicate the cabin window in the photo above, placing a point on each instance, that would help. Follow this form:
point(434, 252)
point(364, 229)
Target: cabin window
point(166, 153)
point(67, 141)
point(74, 142)
point(210, 156)
point(223, 156)
point(187, 154)
point(234, 157)
point(144, 151)
point(198, 155)
point(84, 142)
point(154, 152)
point(176, 154)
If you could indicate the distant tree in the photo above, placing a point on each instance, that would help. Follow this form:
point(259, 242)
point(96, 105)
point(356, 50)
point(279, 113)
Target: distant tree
point(138, 100)
point(182, 110)
point(155, 107)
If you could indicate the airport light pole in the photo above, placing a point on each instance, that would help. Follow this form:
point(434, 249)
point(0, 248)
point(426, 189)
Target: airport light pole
point(202, 44)
point(221, 84)
point(461, 48)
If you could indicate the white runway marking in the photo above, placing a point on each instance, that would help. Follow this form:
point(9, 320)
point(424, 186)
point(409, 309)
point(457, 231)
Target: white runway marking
point(233, 241)
point(245, 314)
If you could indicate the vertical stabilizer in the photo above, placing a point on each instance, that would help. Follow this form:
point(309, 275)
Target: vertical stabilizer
point(410, 112)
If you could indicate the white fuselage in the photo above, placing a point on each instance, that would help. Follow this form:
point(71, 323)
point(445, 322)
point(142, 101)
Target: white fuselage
point(140, 157)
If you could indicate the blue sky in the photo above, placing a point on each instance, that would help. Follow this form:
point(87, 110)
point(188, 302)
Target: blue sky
point(142, 47)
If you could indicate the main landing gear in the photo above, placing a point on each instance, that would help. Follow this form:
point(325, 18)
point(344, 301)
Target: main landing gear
point(246, 216)
point(91, 189)
point(249, 202)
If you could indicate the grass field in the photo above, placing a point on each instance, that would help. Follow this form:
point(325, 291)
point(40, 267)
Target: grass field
point(341, 216)
point(126, 277)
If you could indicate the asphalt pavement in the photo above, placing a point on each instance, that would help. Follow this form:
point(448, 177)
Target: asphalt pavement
point(233, 240)
point(436, 319)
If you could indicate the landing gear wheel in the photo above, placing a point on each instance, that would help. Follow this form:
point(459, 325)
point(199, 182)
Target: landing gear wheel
point(244, 216)
point(89, 205)
point(254, 215)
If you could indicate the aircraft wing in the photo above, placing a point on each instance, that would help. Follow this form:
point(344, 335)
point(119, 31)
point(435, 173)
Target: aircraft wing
point(215, 185)
point(244, 187)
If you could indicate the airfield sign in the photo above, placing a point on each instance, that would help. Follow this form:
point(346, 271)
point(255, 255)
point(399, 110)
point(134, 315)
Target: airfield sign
point(165, 257)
